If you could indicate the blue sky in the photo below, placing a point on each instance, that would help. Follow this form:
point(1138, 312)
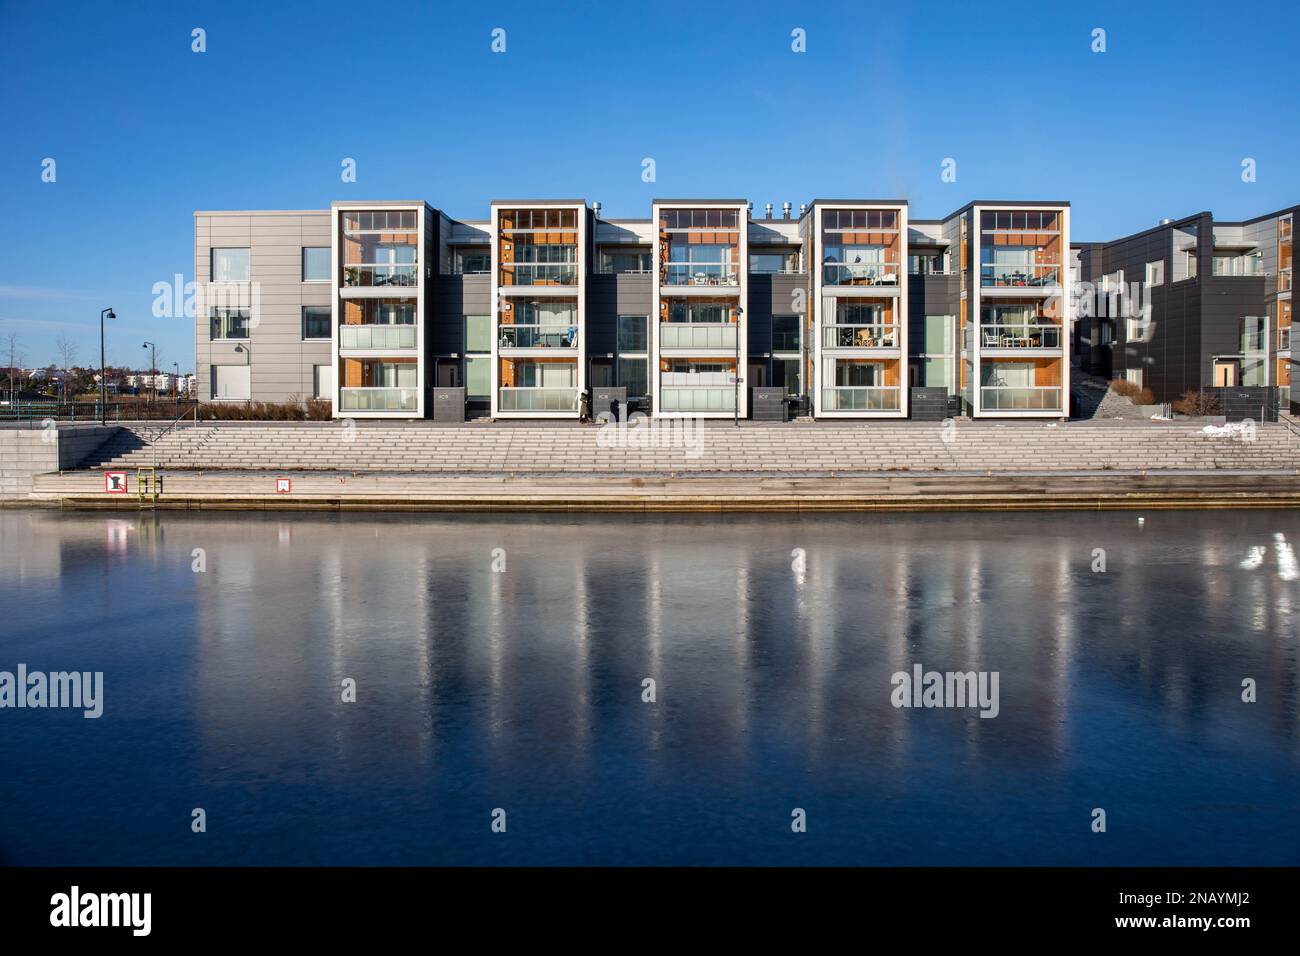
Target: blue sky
point(144, 131)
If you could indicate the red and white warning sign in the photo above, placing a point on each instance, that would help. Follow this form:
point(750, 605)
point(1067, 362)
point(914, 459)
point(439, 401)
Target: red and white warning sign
point(115, 482)
point(283, 486)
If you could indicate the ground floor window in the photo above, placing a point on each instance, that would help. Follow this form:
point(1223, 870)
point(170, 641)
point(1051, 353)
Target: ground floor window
point(231, 383)
point(322, 381)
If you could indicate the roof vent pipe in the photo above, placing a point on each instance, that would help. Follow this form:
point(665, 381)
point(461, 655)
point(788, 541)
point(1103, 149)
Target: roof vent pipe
point(768, 209)
point(595, 207)
point(1165, 222)
point(785, 210)
point(803, 208)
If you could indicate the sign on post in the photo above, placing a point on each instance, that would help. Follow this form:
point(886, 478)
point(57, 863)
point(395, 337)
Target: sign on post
point(283, 486)
point(115, 482)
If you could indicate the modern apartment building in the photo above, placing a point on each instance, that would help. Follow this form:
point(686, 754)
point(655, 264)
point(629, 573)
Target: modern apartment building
point(1191, 304)
point(849, 305)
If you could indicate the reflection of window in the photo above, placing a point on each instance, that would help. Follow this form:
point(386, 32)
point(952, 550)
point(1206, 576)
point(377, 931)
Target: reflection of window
point(633, 375)
point(231, 382)
point(229, 265)
point(632, 333)
point(230, 324)
point(785, 333)
point(478, 333)
point(698, 312)
point(478, 376)
point(1007, 374)
point(1155, 273)
point(785, 373)
point(316, 264)
point(764, 263)
point(475, 263)
point(619, 263)
point(322, 381)
point(316, 322)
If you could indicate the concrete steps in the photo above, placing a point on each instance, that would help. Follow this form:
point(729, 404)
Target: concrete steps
point(717, 448)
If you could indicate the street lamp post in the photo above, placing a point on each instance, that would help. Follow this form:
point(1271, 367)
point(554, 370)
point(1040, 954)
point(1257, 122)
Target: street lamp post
point(176, 384)
point(153, 368)
point(103, 400)
point(735, 399)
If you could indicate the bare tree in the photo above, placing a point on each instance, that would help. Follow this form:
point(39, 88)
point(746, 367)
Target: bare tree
point(15, 357)
point(68, 352)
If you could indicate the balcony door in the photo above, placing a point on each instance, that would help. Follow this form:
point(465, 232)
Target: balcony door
point(1227, 373)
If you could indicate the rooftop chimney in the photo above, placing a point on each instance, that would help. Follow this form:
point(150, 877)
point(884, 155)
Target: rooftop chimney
point(785, 210)
point(768, 207)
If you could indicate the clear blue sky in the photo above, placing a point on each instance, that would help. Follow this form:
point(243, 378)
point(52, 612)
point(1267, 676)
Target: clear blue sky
point(144, 131)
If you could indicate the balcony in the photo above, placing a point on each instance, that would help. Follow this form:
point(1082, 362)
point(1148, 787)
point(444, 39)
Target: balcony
point(1028, 336)
point(378, 399)
point(1284, 279)
point(537, 399)
point(860, 398)
point(701, 274)
point(368, 275)
point(860, 274)
point(703, 398)
point(377, 336)
point(538, 336)
point(996, 398)
point(697, 335)
point(539, 273)
point(1020, 275)
point(883, 336)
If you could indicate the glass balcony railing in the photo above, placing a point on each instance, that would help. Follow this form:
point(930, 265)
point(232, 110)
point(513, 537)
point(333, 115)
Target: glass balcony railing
point(697, 335)
point(705, 398)
point(995, 398)
point(378, 399)
point(701, 273)
point(538, 336)
point(1020, 275)
point(860, 336)
point(1029, 336)
point(860, 398)
point(380, 275)
point(1284, 279)
point(860, 273)
point(376, 336)
point(539, 273)
point(1284, 339)
point(537, 399)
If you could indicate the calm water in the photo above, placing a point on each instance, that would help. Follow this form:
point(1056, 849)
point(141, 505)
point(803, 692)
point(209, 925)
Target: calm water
point(522, 689)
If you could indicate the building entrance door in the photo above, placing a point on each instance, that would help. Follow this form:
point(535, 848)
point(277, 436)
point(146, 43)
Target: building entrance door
point(1227, 372)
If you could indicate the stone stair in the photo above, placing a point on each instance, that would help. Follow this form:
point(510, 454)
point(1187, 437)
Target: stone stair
point(720, 447)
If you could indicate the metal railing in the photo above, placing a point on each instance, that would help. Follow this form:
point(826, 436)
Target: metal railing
point(678, 398)
point(378, 399)
point(537, 399)
point(1020, 275)
point(377, 336)
point(538, 336)
point(860, 273)
point(701, 273)
point(90, 411)
point(879, 336)
point(1026, 336)
point(366, 275)
point(866, 398)
point(994, 398)
point(539, 273)
point(697, 335)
